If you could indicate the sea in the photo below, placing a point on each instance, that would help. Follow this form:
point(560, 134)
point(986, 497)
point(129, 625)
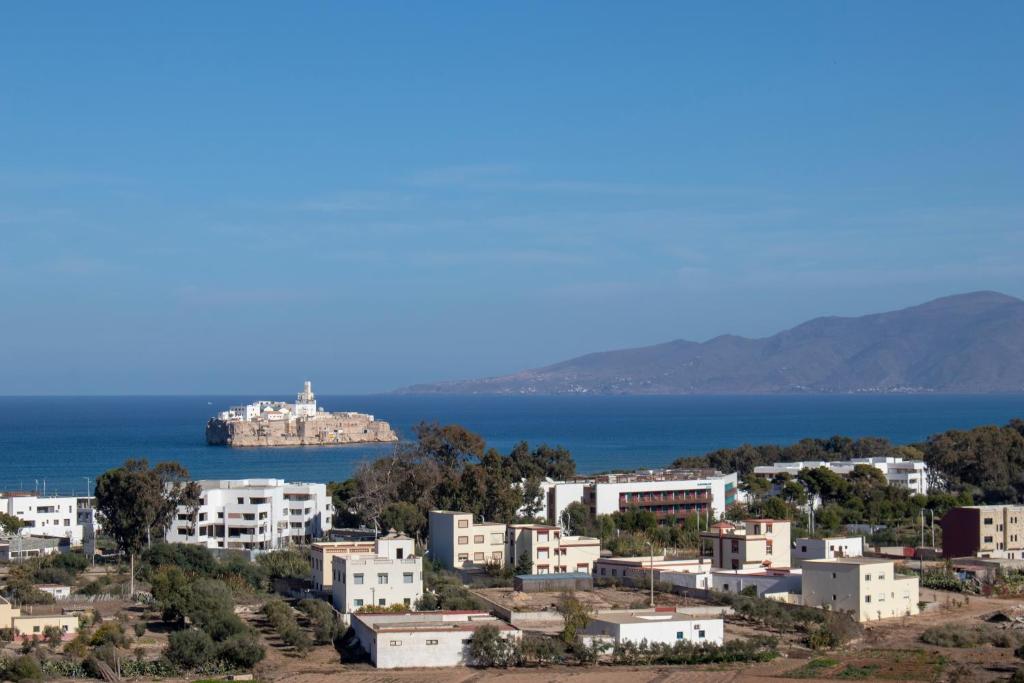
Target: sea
point(62, 443)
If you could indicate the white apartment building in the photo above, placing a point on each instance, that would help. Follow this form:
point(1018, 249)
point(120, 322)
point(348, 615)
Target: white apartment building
point(549, 551)
point(910, 474)
point(652, 626)
point(639, 568)
point(253, 514)
point(458, 542)
point(423, 639)
point(826, 548)
point(866, 587)
point(391, 575)
point(51, 516)
point(668, 494)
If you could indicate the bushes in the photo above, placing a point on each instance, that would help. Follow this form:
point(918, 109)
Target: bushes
point(444, 590)
point(282, 618)
point(575, 616)
point(823, 630)
point(757, 649)
point(292, 563)
point(189, 648)
point(961, 635)
point(24, 668)
point(488, 648)
point(241, 650)
point(109, 633)
point(326, 623)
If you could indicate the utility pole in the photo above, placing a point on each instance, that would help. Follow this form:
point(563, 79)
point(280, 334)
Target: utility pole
point(933, 527)
point(651, 543)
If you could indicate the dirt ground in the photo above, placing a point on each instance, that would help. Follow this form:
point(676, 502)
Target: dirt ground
point(890, 650)
point(598, 599)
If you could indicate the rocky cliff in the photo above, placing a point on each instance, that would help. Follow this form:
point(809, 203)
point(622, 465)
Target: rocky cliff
point(325, 429)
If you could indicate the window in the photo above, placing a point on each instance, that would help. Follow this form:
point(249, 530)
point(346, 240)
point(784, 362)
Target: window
point(357, 602)
point(396, 643)
point(700, 634)
point(679, 635)
point(834, 598)
point(478, 557)
point(479, 538)
point(768, 528)
point(542, 537)
point(382, 579)
point(407, 577)
point(463, 557)
point(768, 547)
point(241, 500)
point(542, 554)
point(382, 602)
point(988, 520)
point(431, 642)
point(406, 601)
point(357, 579)
point(881, 597)
point(867, 598)
point(463, 540)
point(988, 539)
point(833, 575)
point(867, 577)
point(803, 549)
point(463, 523)
point(881, 577)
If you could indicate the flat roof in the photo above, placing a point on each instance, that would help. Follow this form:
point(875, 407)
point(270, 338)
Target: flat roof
point(562, 575)
point(649, 617)
point(851, 560)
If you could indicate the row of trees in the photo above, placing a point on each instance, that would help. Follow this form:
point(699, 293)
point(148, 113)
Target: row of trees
point(448, 468)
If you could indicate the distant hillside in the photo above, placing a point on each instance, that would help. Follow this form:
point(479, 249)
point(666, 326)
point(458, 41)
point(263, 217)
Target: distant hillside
point(968, 343)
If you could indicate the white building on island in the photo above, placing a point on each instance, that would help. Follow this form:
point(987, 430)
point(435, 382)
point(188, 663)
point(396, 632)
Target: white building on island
point(304, 407)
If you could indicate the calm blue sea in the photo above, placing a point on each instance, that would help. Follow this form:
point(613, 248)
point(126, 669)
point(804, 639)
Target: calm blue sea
point(62, 440)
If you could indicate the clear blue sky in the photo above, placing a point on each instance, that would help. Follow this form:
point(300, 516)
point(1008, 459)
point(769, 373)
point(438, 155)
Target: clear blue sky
point(234, 197)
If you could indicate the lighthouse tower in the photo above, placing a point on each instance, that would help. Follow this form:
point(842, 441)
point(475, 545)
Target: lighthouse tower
point(305, 401)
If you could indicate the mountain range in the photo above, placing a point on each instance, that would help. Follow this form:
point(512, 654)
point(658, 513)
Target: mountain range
point(967, 343)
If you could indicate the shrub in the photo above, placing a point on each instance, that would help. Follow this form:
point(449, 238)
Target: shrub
point(282, 618)
point(488, 648)
point(189, 648)
point(326, 623)
point(539, 649)
point(53, 636)
point(960, 635)
point(139, 628)
point(292, 563)
point(109, 633)
point(575, 616)
point(241, 650)
point(25, 668)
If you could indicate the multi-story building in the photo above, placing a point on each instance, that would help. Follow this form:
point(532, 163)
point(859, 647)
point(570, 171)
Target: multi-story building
point(459, 542)
point(755, 543)
point(253, 514)
point(389, 575)
point(322, 554)
point(423, 639)
point(50, 516)
point(549, 551)
point(910, 474)
point(826, 548)
point(669, 494)
point(995, 531)
point(866, 587)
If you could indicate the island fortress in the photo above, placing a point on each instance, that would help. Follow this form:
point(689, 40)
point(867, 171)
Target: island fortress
point(275, 423)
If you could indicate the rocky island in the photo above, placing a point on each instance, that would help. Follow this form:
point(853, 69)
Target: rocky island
point(275, 423)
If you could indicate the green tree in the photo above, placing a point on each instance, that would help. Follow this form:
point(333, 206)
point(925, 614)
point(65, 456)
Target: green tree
point(136, 503)
point(9, 524)
point(524, 564)
point(575, 616)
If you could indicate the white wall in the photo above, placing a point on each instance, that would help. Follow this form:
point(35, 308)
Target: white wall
point(827, 548)
point(666, 628)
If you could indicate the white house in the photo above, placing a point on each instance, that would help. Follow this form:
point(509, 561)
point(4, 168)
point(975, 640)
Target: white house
point(765, 582)
point(661, 627)
point(58, 591)
point(51, 516)
point(253, 514)
point(826, 548)
point(423, 639)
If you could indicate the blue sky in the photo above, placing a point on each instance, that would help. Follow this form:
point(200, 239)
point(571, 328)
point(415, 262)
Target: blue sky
point(233, 197)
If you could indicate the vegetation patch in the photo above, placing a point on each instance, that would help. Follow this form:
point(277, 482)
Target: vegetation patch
point(887, 665)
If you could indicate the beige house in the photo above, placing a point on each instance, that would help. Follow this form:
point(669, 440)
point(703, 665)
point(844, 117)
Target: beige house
point(322, 554)
point(549, 551)
point(459, 542)
point(866, 587)
point(26, 626)
point(995, 531)
point(751, 544)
